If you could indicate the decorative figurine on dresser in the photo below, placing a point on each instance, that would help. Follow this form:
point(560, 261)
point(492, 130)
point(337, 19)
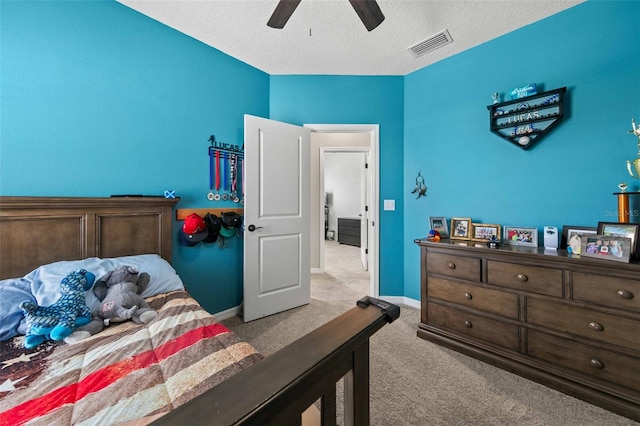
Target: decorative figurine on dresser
point(567, 322)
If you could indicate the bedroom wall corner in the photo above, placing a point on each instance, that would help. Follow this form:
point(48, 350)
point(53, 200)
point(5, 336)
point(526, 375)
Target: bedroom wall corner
point(98, 99)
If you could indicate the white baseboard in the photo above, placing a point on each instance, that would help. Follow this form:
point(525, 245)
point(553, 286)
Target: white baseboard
point(401, 300)
point(231, 312)
point(396, 300)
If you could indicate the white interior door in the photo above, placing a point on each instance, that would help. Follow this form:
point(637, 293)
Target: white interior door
point(364, 211)
point(276, 217)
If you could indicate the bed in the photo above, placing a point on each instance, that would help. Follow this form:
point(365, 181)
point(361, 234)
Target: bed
point(183, 366)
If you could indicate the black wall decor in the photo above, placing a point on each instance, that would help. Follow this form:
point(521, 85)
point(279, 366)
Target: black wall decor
point(524, 121)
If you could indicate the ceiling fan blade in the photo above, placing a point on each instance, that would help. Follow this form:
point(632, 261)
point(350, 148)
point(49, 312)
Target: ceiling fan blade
point(369, 12)
point(283, 12)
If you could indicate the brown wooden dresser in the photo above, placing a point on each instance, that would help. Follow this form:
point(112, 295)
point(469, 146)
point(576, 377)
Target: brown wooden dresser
point(569, 323)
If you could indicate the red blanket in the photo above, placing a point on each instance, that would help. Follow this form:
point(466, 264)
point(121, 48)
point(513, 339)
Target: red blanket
point(127, 372)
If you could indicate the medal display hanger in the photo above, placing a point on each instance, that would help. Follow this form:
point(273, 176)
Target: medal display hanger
point(226, 171)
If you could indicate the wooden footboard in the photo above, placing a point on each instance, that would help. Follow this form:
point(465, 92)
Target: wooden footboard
point(278, 389)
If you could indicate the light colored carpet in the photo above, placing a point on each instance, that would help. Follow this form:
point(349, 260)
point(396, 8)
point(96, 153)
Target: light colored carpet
point(413, 381)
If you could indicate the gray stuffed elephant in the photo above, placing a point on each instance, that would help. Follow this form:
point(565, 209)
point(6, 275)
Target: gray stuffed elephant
point(119, 291)
point(120, 294)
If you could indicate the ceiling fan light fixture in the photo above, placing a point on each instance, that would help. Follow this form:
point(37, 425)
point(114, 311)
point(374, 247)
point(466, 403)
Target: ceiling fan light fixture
point(430, 44)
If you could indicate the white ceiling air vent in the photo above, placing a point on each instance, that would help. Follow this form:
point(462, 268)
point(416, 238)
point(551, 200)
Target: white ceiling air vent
point(434, 42)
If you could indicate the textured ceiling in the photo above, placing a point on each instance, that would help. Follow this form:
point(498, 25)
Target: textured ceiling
point(327, 37)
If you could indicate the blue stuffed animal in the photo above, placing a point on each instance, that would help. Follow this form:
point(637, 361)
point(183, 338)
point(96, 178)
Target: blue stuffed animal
point(57, 321)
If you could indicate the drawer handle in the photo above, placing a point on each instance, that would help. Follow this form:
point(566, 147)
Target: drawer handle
point(596, 363)
point(625, 294)
point(522, 277)
point(468, 324)
point(468, 296)
point(451, 265)
point(596, 326)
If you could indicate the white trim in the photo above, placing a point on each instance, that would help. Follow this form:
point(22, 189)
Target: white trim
point(374, 163)
point(396, 300)
point(401, 300)
point(229, 313)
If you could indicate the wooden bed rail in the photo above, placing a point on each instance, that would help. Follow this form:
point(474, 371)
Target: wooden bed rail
point(278, 389)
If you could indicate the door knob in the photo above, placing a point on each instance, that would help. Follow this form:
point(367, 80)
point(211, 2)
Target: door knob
point(252, 227)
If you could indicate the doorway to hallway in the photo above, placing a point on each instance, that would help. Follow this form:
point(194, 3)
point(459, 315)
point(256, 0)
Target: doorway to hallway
point(344, 138)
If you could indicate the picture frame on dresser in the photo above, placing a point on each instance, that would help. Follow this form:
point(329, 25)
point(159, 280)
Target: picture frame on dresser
point(606, 247)
point(572, 237)
point(439, 223)
point(628, 230)
point(460, 228)
point(484, 232)
point(520, 236)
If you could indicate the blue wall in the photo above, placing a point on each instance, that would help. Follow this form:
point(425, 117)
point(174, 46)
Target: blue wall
point(98, 99)
point(357, 100)
point(566, 178)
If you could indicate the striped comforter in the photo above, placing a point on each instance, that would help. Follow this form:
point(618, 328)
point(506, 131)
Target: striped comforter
point(126, 373)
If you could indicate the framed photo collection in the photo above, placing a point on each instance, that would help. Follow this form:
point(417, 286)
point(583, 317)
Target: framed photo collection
point(613, 241)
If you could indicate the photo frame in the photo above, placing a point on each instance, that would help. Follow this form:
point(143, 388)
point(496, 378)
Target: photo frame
point(520, 236)
point(484, 231)
point(616, 229)
point(460, 228)
point(571, 239)
point(439, 223)
point(606, 247)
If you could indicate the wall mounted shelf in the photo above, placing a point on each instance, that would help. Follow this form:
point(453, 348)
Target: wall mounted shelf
point(524, 121)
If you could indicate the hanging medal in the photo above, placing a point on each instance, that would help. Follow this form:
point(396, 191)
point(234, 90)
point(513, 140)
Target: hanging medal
point(216, 196)
point(210, 195)
point(234, 178)
point(225, 186)
point(242, 182)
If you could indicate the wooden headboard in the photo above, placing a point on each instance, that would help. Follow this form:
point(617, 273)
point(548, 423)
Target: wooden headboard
point(39, 230)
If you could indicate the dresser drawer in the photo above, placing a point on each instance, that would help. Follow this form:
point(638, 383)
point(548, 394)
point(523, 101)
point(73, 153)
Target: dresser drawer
point(619, 293)
point(467, 268)
point(473, 326)
point(494, 301)
point(583, 322)
point(600, 363)
point(526, 278)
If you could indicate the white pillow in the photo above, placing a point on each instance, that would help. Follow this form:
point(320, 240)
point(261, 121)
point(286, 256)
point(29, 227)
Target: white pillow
point(45, 280)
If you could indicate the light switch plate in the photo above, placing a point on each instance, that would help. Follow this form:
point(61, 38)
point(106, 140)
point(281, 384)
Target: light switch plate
point(389, 204)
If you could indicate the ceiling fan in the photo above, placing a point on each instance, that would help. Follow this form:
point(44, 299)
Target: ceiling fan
point(368, 11)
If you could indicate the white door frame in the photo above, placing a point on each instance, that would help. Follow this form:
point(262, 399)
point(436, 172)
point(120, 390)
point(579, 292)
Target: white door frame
point(374, 165)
